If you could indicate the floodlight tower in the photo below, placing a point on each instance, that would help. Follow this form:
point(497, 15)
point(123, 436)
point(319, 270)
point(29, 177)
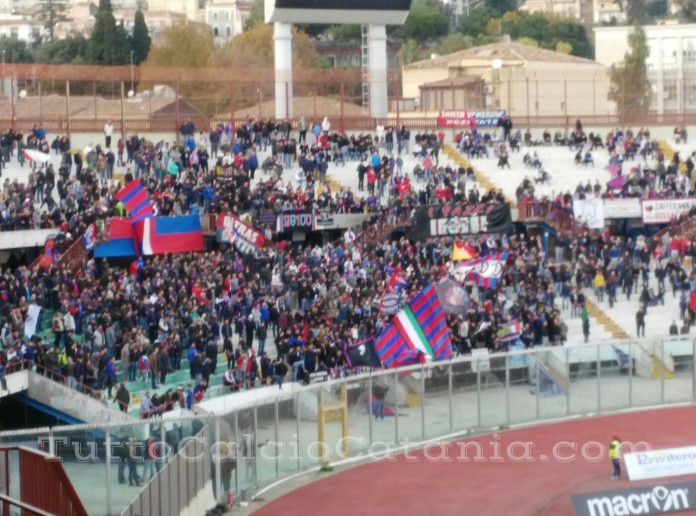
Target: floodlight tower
point(378, 14)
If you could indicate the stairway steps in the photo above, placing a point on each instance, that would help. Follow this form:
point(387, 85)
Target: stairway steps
point(481, 178)
point(607, 322)
point(658, 369)
point(668, 151)
point(556, 376)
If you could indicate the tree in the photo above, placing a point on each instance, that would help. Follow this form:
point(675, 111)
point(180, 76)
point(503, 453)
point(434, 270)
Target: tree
point(546, 30)
point(51, 12)
point(254, 49)
point(424, 23)
point(686, 9)
point(140, 40)
point(629, 87)
point(15, 50)
point(453, 43)
point(564, 47)
point(62, 51)
point(500, 7)
point(106, 45)
point(185, 46)
point(345, 33)
point(409, 52)
point(256, 14)
point(636, 10)
point(528, 41)
point(475, 24)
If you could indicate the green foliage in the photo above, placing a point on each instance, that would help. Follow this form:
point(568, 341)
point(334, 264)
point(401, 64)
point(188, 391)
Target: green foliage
point(345, 33)
point(453, 43)
point(15, 50)
point(500, 7)
point(658, 9)
point(256, 14)
point(564, 47)
point(51, 12)
point(686, 9)
point(108, 43)
point(630, 87)
point(62, 51)
point(425, 22)
point(475, 24)
point(547, 30)
point(140, 40)
point(409, 52)
point(524, 40)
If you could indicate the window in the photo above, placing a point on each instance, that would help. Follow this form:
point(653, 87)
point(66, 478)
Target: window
point(229, 31)
point(669, 52)
point(689, 52)
point(215, 32)
point(14, 32)
point(215, 16)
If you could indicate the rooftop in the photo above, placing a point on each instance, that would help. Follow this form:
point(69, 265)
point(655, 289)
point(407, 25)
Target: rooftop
point(503, 50)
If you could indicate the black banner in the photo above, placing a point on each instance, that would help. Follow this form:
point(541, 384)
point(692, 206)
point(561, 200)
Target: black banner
point(660, 499)
point(460, 219)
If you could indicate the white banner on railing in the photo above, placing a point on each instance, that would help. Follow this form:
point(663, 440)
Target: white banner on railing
point(662, 211)
point(661, 463)
point(622, 208)
point(590, 212)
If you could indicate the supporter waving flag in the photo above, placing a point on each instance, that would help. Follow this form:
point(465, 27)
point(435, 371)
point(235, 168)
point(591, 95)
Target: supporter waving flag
point(485, 271)
point(418, 329)
point(461, 251)
point(135, 199)
point(389, 304)
point(362, 354)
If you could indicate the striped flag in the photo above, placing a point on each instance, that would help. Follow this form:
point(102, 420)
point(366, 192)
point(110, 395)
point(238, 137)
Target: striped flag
point(419, 329)
point(430, 316)
point(485, 271)
point(135, 199)
point(393, 350)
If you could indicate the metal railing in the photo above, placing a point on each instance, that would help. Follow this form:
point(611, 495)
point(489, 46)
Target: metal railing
point(27, 489)
point(273, 434)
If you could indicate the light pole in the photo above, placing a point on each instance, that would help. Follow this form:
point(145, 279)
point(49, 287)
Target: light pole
point(3, 72)
point(131, 93)
point(497, 64)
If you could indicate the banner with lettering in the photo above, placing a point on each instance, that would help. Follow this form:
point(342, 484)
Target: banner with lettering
point(295, 221)
point(465, 119)
point(460, 219)
point(662, 211)
point(233, 230)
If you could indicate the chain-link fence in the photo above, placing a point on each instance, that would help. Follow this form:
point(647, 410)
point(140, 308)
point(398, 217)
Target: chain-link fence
point(79, 98)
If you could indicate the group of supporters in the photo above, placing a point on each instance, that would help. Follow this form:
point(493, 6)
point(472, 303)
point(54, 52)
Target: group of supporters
point(287, 310)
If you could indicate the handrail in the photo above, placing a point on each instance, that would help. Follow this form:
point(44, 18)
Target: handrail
point(15, 367)
point(36, 465)
point(24, 506)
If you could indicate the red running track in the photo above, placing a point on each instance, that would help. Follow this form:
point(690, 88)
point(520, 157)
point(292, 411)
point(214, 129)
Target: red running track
point(539, 487)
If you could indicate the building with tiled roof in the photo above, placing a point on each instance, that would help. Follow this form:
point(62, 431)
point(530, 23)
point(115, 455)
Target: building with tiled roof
point(522, 79)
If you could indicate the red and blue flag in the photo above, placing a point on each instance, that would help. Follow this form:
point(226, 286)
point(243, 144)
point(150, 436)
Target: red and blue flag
point(178, 234)
point(135, 199)
point(120, 242)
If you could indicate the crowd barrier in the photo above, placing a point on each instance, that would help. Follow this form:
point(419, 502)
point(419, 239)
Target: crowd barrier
point(275, 435)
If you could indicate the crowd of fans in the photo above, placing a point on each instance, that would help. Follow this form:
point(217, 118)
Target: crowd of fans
point(303, 302)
